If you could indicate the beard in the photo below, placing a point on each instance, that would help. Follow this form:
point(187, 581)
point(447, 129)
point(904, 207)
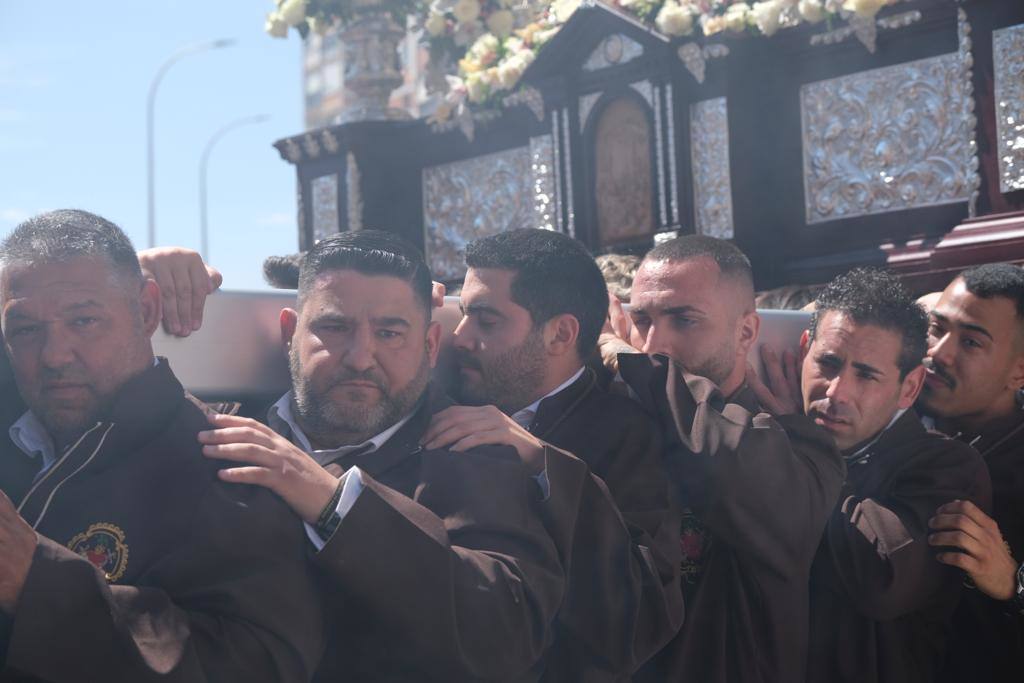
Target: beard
point(332, 423)
point(509, 380)
point(717, 367)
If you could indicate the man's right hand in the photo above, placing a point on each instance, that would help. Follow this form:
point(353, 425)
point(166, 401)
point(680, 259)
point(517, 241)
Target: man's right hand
point(982, 552)
point(779, 391)
point(617, 336)
point(185, 282)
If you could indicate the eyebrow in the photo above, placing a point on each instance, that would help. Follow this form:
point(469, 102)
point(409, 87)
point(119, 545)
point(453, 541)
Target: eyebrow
point(864, 367)
point(481, 308)
point(391, 321)
point(71, 308)
point(967, 326)
point(384, 321)
point(829, 357)
point(673, 310)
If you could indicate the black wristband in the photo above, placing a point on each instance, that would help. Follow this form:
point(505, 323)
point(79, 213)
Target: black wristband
point(329, 509)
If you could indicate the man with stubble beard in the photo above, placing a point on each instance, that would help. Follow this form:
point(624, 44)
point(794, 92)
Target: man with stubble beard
point(534, 303)
point(437, 567)
point(756, 489)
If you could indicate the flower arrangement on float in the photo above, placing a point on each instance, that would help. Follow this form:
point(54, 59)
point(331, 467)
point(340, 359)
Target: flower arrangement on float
point(480, 48)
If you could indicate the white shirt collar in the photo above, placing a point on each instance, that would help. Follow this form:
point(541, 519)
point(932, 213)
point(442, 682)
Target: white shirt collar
point(29, 434)
point(527, 414)
point(282, 421)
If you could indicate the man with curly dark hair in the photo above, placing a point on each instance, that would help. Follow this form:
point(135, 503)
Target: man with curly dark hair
point(880, 603)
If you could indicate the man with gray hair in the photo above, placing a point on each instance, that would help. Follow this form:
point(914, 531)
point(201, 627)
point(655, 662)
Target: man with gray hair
point(126, 558)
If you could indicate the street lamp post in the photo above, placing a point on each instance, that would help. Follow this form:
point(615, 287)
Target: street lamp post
point(204, 234)
point(150, 100)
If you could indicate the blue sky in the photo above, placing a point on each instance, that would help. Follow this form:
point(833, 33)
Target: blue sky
point(73, 82)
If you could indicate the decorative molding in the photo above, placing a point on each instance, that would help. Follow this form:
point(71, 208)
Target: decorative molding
point(887, 139)
point(709, 152)
point(324, 206)
point(646, 90)
point(673, 177)
point(473, 198)
point(586, 105)
point(292, 151)
point(354, 193)
point(659, 158)
point(311, 145)
point(531, 97)
point(542, 173)
point(1008, 55)
point(968, 119)
point(569, 196)
point(330, 142)
point(614, 50)
point(556, 127)
point(695, 58)
point(866, 30)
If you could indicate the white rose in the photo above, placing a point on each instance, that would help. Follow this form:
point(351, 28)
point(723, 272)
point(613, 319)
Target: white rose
point(811, 10)
point(485, 49)
point(712, 25)
point(673, 20)
point(736, 17)
point(766, 16)
point(476, 87)
point(275, 26)
point(292, 12)
point(435, 24)
point(501, 23)
point(563, 9)
point(864, 8)
point(514, 44)
point(466, 11)
point(509, 72)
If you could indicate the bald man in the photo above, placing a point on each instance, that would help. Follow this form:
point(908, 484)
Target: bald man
point(757, 488)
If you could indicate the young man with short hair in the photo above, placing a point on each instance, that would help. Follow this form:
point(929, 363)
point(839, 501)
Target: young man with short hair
point(880, 603)
point(974, 375)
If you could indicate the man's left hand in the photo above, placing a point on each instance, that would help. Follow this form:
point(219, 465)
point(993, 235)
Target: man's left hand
point(18, 543)
point(460, 428)
point(779, 391)
point(984, 555)
point(270, 461)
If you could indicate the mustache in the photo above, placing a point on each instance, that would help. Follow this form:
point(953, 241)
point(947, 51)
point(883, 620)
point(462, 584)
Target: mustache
point(370, 375)
point(466, 360)
point(824, 406)
point(943, 373)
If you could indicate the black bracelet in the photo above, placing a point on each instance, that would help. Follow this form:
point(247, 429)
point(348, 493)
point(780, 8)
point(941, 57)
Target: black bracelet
point(329, 509)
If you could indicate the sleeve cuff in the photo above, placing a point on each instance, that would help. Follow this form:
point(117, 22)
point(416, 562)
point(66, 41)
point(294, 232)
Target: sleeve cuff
point(351, 487)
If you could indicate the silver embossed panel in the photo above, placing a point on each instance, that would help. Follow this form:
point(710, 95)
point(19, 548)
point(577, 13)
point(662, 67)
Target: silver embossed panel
point(473, 198)
point(886, 139)
point(324, 203)
point(1008, 54)
point(709, 150)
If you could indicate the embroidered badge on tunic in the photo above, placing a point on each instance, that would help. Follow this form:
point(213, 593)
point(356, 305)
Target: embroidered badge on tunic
point(103, 545)
point(694, 543)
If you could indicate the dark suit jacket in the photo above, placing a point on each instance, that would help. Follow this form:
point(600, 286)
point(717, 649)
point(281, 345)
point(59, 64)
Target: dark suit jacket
point(610, 512)
point(148, 567)
point(442, 570)
point(880, 601)
point(759, 490)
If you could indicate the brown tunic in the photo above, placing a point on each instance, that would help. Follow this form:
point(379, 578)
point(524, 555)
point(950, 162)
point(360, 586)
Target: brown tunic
point(880, 601)
point(610, 513)
point(988, 635)
point(148, 567)
point(759, 490)
point(442, 570)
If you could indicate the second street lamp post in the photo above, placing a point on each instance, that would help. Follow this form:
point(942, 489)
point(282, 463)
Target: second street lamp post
point(204, 233)
point(150, 101)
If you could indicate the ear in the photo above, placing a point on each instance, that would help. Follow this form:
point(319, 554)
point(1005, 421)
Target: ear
point(152, 308)
point(911, 387)
point(1016, 374)
point(433, 342)
point(805, 344)
point(561, 334)
point(749, 325)
point(289, 320)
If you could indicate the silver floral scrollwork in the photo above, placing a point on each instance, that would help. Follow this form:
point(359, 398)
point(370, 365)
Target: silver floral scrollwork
point(1008, 54)
point(353, 193)
point(613, 50)
point(886, 139)
point(485, 195)
point(370, 42)
point(970, 121)
point(709, 151)
point(311, 145)
point(692, 58)
point(324, 205)
point(586, 105)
